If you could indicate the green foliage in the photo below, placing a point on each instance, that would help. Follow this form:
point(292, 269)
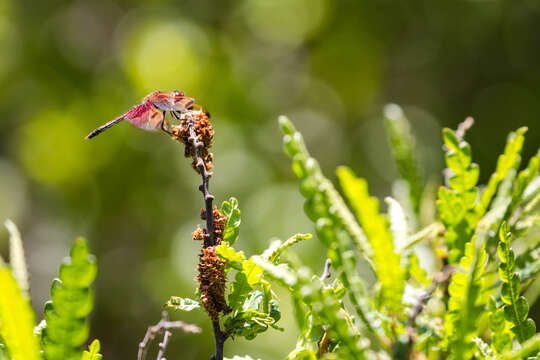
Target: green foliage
point(16, 319)
point(183, 304)
point(500, 333)
point(253, 306)
point(93, 351)
point(506, 162)
point(322, 307)
point(66, 327)
point(402, 144)
point(515, 307)
point(386, 261)
point(465, 303)
point(232, 225)
point(456, 203)
point(277, 247)
point(325, 207)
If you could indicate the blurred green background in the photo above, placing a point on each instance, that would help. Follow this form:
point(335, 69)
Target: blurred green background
point(67, 67)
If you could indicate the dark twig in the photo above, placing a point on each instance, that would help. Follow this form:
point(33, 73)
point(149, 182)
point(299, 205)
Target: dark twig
point(205, 175)
point(326, 273)
point(439, 278)
point(164, 325)
point(219, 335)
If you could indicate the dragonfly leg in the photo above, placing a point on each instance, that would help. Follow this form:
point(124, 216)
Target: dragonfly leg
point(163, 125)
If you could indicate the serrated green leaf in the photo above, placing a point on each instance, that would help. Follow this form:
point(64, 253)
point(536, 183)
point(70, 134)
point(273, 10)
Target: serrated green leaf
point(66, 327)
point(69, 332)
point(465, 289)
point(93, 351)
point(230, 256)
point(232, 223)
point(516, 309)
point(450, 139)
point(239, 289)
point(387, 262)
point(253, 272)
point(182, 304)
point(505, 163)
point(71, 302)
point(466, 180)
point(16, 319)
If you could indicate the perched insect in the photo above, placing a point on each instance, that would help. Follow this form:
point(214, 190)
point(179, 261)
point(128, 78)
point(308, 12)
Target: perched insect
point(150, 114)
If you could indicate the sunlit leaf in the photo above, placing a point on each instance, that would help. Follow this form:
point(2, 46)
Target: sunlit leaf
point(16, 319)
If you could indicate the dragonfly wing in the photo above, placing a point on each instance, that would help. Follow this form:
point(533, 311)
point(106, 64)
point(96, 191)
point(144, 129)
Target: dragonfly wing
point(145, 116)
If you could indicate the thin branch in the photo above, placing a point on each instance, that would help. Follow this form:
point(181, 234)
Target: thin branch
point(163, 345)
point(164, 325)
point(326, 273)
point(439, 278)
point(219, 335)
point(205, 175)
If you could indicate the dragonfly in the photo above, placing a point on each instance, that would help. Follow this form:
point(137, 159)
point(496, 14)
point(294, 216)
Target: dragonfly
point(150, 114)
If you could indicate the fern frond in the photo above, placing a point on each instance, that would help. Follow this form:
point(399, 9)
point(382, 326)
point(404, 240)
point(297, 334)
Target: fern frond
point(516, 308)
point(505, 163)
point(402, 144)
point(16, 319)
point(325, 207)
point(324, 304)
point(456, 204)
point(501, 336)
point(386, 261)
point(523, 179)
point(93, 351)
point(465, 303)
point(66, 326)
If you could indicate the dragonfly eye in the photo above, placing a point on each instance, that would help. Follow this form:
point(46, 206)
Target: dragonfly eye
point(178, 93)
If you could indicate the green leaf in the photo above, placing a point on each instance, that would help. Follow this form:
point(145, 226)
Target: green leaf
point(239, 289)
point(465, 301)
point(273, 253)
point(528, 347)
point(230, 256)
point(17, 260)
point(456, 204)
point(506, 162)
point(523, 179)
point(93, 351)
point(402, 144)
point(16, 319)
point(183, 304)
point(516, 308)
point(385, 259)
point(232, 224)
point(66, 326)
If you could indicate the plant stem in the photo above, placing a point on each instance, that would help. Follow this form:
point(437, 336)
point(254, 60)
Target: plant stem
point(205, 175)
point(209, 240)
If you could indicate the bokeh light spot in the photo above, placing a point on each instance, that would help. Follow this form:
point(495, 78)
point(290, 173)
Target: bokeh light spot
point(285, 22)
point(53, 151)
point(164, 56)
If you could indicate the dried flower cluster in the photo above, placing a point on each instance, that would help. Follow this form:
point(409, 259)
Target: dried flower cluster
point(211, 276)
point(196, 124)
